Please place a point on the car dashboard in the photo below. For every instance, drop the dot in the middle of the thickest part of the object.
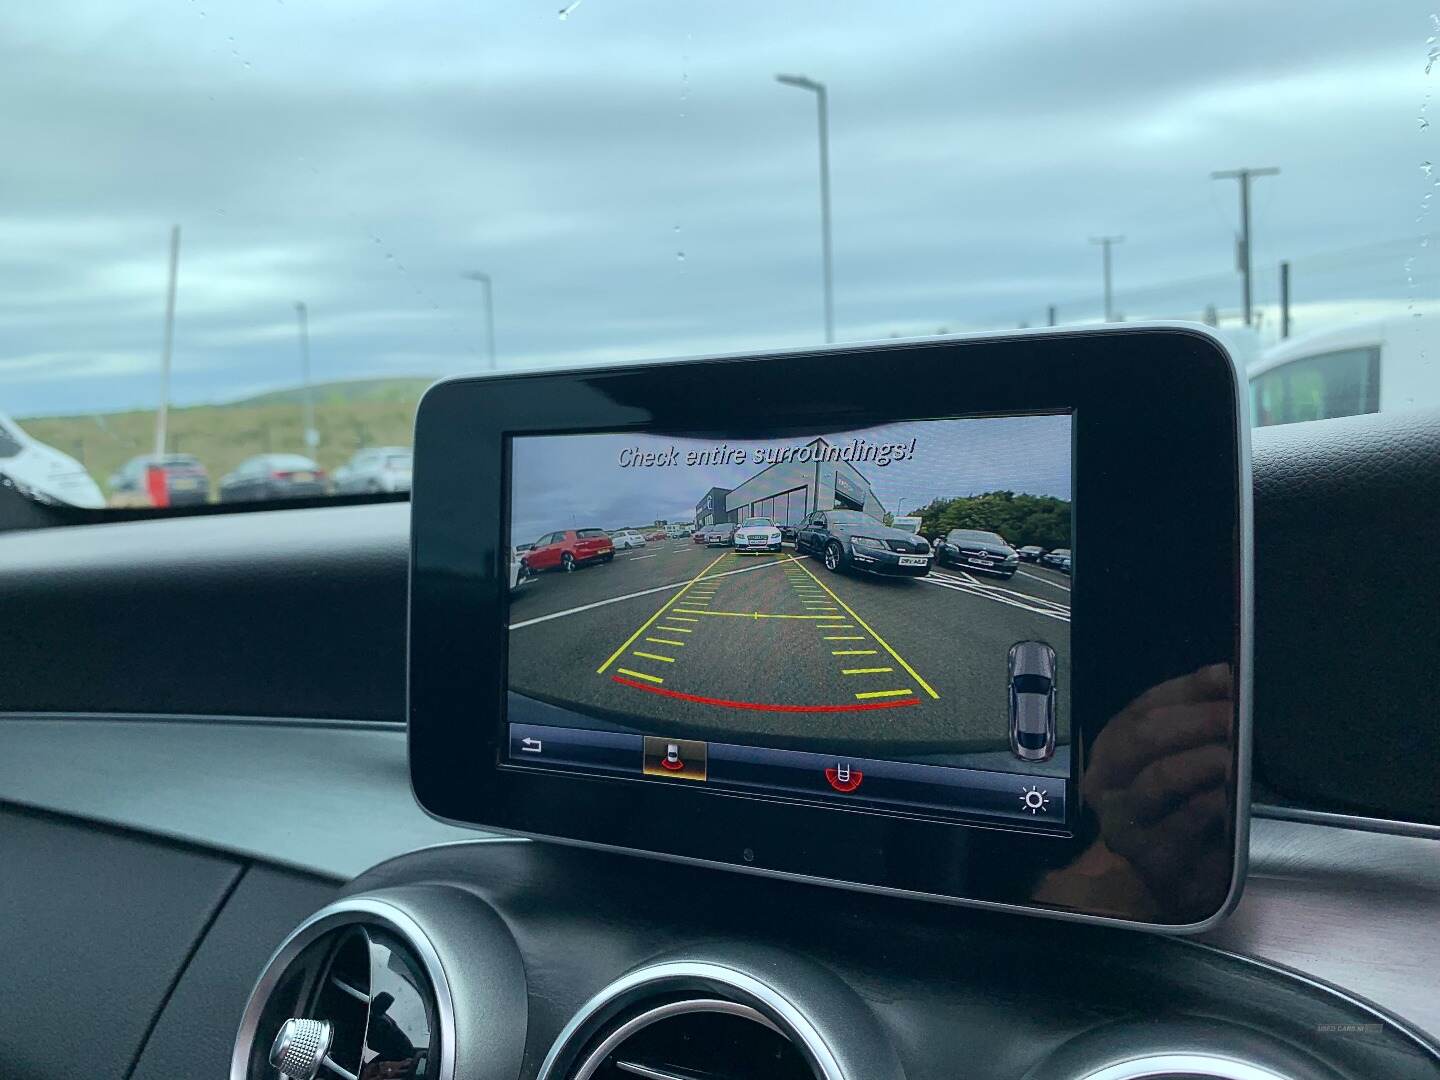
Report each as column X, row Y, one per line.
column 206, row 821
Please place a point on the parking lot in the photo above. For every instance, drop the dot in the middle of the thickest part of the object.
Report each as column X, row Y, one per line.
column 677, row 637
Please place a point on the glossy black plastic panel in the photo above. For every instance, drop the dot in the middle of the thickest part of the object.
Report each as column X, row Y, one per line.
column 1160, row 599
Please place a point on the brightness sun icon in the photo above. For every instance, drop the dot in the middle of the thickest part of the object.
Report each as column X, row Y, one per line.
column 1034, row 799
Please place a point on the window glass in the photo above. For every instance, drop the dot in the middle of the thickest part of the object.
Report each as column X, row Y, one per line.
column 9, row 445
column 1341, row 383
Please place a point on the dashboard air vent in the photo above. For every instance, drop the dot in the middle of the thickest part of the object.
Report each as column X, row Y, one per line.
column 349, row 996
column 693, row 1039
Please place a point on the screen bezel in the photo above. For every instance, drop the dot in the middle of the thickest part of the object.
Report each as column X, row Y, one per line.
column 1147, row 403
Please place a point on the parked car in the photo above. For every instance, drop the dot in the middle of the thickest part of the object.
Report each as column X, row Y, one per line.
column 698, row 536
column 976, row 549
column 849, row 539
column 273, row 476
column 722, row 535
column 1378, row 365
column 570, row 549
column 787, row 532
column 625, row 539
column 380, row 469
column 1032, row 700
column 678, row 532
column 1030, row 553
column 1059, row 559
column 757, row 534
column 186, row 481
column 520, row 572
column 655, row 534
column 43, row 472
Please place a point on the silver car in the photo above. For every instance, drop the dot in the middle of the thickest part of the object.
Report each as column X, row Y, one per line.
column 378, row 470
column 1032, row 700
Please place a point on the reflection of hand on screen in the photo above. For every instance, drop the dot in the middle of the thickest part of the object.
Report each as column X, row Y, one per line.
column 1157, row 781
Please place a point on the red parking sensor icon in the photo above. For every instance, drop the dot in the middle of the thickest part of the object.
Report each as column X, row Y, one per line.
column 843, row 778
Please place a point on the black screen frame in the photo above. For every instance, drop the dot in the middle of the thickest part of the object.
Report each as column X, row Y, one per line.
column 1153, row 408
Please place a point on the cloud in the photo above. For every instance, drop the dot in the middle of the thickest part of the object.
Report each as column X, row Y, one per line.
column 639, row 186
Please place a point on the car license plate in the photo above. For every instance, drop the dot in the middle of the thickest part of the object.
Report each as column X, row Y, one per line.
column 302, row 477
column 913, row 560
column 979, row 562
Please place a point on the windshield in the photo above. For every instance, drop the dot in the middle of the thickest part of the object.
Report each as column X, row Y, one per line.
column 975, row 536
column 849, row 517
column 757, row 523
column 232, row 228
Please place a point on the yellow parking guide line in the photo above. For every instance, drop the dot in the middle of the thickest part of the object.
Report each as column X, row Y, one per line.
column 746, row 615
column 675, row 629
column 884, row 693
column 665, row 641
column 678, row 618
column 639, row 675
column 646, row 625
column 879, row 640
column 854, row 652
column 844, row 637
column 834, row 626
column 856, row 670
column 653, row 656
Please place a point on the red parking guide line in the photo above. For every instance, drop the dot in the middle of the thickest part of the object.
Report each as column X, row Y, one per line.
column 862, row 707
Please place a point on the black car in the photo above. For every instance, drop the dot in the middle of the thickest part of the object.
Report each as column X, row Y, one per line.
column 185, row 480
column 1059, row 559
column 975, row 549
column 848, row 539
column 273, row 476
column 1030, row 553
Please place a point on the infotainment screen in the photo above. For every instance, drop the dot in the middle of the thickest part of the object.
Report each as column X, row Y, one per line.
column 965, row 620
column 877, row 616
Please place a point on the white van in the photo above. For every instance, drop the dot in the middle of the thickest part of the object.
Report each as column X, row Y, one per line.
column 1384, row 365
column 908, row 524
column 675, row 532
column 44, row 472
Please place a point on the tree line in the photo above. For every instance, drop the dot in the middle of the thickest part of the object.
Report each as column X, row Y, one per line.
column 1020, row 519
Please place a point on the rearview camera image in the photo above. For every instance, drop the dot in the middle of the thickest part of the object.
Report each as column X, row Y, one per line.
column 878, row 614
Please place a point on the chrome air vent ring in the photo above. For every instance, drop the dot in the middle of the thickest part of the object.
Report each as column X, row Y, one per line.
column 742, row 989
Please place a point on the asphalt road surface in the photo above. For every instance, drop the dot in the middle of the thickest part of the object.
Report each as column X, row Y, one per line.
column 676, row 638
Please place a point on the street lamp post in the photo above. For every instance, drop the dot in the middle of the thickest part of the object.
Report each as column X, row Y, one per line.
column 162, row 414
column 1106, row 243
column 1242, row 248
column 484, row 279
column 302, row 319
column 822, row 102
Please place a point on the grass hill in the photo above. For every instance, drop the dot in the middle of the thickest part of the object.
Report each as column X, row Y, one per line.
column 349, row 416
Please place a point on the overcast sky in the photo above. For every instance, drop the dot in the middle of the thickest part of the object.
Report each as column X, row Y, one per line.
column 639, row 186
column 583, row 475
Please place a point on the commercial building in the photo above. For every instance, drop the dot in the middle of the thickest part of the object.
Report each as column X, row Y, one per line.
column 812, row 477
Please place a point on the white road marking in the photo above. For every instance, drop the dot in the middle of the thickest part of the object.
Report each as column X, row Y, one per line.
column 637, row 558
column 1001, row 590
column 1047, row 581
column 955, row 585
column 633, row 595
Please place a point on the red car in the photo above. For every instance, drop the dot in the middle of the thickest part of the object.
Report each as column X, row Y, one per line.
column 570, row 549
column 658, row 534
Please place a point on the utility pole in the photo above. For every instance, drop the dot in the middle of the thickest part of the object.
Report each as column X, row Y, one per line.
column 822, row 104
column 1106, row 243
column 162, row 414
column 1050, row 315
column 1242, row 248
column 484, row 279
column 1285, row 299
column 302, row 318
